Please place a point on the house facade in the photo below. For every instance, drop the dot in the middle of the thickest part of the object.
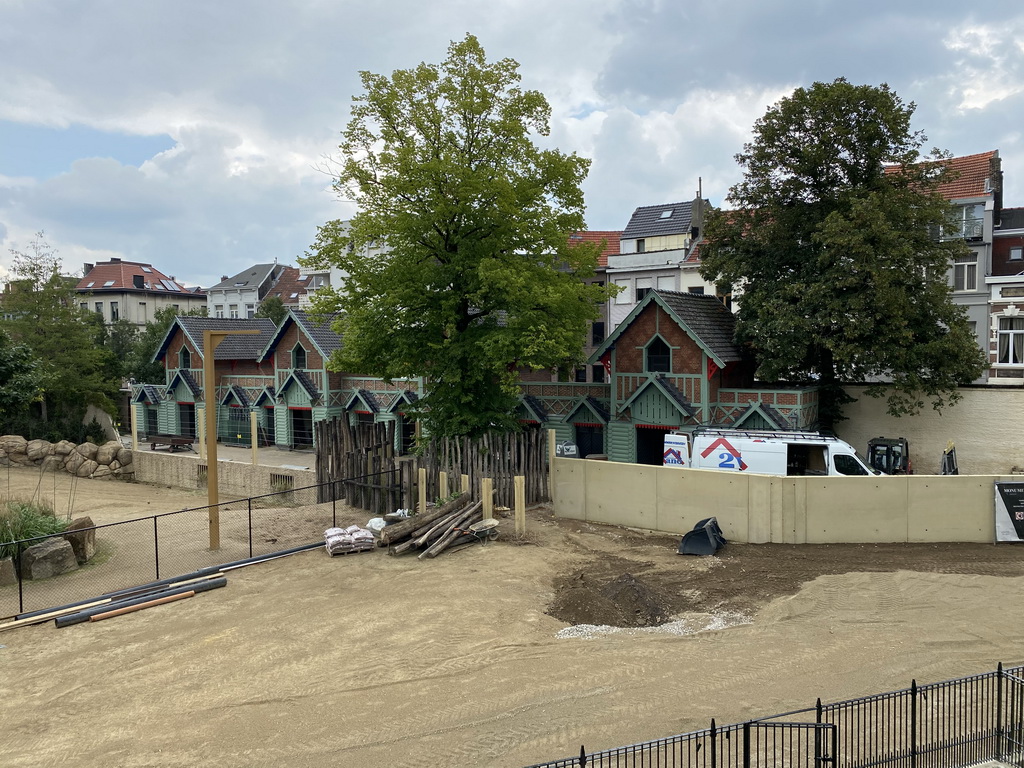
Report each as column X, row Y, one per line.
column 132, row 290
column 1005, row 285
column 238, row 297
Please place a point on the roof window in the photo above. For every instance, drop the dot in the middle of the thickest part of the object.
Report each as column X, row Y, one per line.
column 108, row 283
column 90, row 284
column 666, row 214
column 146, row 269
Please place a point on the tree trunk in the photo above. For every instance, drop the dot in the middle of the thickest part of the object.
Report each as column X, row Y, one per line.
column 397, row 531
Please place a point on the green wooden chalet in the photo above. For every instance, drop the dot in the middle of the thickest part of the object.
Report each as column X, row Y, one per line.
column 672, row 365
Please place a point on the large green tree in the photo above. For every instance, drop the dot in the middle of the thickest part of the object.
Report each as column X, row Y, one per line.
column 20, row 379
column 459, row 265
column 833, row 244
column 41, row 311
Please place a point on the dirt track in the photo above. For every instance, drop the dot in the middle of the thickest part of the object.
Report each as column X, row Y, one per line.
column 370, row 660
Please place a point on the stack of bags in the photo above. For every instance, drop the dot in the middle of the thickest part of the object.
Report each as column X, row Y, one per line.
column 341, row 541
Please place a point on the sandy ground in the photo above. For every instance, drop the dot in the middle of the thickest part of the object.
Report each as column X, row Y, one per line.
column 371, row 660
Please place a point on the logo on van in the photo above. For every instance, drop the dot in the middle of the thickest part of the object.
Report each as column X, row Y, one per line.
column 729, row 458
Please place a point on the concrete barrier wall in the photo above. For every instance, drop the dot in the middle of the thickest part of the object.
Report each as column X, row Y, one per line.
column 985, row 426
column 790, row 510
column 235, row 479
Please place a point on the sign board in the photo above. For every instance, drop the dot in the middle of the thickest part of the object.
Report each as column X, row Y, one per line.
column 567, row 450
column 1009, row 511
column 677, row 451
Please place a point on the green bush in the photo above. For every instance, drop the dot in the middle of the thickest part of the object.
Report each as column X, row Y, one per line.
column 21, row 519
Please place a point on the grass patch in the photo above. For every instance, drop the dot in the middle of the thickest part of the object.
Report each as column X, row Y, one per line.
column 20, row 519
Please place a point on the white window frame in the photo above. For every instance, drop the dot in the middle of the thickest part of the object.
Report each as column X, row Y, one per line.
column 1010, row 341
column 1016, row 252
column 233, row 311
column 625, row 295
column 965, row 273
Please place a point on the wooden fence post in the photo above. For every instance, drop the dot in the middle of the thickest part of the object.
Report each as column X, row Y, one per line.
column 551, row 465
column 442, row 482
column 423, row 490
column 465, row 483
column 487, row 496
column 520, row 485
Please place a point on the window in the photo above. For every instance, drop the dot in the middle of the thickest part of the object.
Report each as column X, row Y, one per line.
column 99, row 308
column 643, row 287
column 142, row 312
column 1016, row 253
column 1011, row 341
column 250, row 311
column 84, row 306
column 218, row 310
column 597, row 372
column 696, row 289
column 115, row 312
column 622, row 297
column 581, row 375
column 968, row 221
column 185, row 358
column 965, row 272
column 658, row 356
column 641, row 245
column 233, row 311
column 597, row 333
column 666, row 214
column 298, row 357
column 848, row 465
column 666, row 283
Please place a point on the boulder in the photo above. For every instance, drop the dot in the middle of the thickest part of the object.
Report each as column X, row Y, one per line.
column 126, row 472
column 63, row 448
column 125, row 456
column 107, row 452
column 52, row 463
column 48, row 558
column 13, row 443
column 73, row 462
column 87, row 468
column 102, row 472
column 82, row 542
column 38, row 449
column 115, row 465
column 88, row 450
column 7, row 575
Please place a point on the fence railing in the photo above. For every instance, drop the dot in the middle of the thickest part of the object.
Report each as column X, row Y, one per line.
column 951, row 724
column 155, row 547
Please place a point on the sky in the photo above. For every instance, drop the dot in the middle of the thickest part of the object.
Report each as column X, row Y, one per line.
column 197, row 136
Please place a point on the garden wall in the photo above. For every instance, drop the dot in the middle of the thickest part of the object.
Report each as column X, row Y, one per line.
column 234, row 478
column 101, row 462
column 786, row 510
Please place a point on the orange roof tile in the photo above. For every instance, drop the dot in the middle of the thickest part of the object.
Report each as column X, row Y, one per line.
column 974, row 171
column 610, row 238
column 289, row 287
column 117, row 275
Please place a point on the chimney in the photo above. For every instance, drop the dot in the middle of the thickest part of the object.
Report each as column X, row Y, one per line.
column 115, row 260
column 87, row 269
column 223, row 278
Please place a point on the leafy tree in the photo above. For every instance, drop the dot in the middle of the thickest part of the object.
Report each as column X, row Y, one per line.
column 140, row 365
column 20, row 378
column 833, row 244
column 477, row 277
column 41, row 311
column 272, row 308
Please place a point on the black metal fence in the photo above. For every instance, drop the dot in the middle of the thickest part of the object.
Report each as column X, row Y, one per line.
column 955, row 723
column 160, row 546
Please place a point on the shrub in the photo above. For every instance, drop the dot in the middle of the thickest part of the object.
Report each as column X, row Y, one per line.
column 21, row 519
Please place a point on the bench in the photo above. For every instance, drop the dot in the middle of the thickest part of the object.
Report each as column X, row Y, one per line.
column 173, row 442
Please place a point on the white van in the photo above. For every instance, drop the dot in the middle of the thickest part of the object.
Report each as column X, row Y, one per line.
column 764, row 452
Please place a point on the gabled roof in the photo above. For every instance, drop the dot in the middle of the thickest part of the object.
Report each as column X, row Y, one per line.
column 406, row 397
column 148, row 393
column 661, row 383
column 593, row 406
column 535, row 408
column 301, row 378
column 769, row 413
column 268, row 393
column 234, row 347
column 120, row 276
column 185, row 376
column 324, row 339
column 365, row 398
column 289, row 287
column 239, row 394
column 247, row 279
column 609, row 238
column 657, row 220
column 977, row 176
column 706, row 319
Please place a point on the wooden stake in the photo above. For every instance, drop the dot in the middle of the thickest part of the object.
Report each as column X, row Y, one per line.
column 465, row 483
column 442, row 481
column 487, row 496
column 520, row 485
column 551, row 465
column 52, row 615
column 252, row 436
column 423, row 489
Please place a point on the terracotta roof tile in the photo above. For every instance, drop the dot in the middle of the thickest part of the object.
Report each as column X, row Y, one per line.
column 288, row 287
column 977, row 176
column 121, row 276
column 610, row 238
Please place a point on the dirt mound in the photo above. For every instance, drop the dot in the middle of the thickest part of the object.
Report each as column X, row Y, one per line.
column 626, row 601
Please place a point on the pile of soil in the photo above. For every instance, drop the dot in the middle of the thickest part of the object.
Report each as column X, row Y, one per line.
column 625, row 601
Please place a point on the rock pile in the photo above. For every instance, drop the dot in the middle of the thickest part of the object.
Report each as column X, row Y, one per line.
column 108, row 461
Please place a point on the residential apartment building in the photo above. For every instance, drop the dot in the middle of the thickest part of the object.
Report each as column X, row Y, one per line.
column 239, row 297
column 1005, row 286
column 133, row 290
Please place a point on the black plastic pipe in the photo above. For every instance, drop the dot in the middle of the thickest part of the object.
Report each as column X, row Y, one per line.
column 81, row 616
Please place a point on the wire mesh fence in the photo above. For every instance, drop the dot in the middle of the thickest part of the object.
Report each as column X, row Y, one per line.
column 133, row 552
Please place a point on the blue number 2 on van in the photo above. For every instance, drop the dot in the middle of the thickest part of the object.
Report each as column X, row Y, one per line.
column 730, row 458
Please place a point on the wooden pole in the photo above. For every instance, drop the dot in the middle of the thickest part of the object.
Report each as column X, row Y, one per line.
column 520, row 486
column 551, row 465
column 423, row 489
column 442, row 481
column 142, row 606
column 212, row 340
column 135, row 427
column 487, row 496
column 252, row 433
column 465, row 484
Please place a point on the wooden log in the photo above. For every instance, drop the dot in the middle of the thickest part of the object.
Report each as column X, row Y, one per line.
column 438, row 528
column 394, row 533
column 40, row 618
column 439, row 546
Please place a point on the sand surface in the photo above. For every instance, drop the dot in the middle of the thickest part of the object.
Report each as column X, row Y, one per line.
column 369, row 660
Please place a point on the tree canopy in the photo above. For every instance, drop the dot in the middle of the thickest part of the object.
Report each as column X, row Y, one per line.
column 20, row 380
column 458, row 263
column 832, row 246
column 272, row 308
